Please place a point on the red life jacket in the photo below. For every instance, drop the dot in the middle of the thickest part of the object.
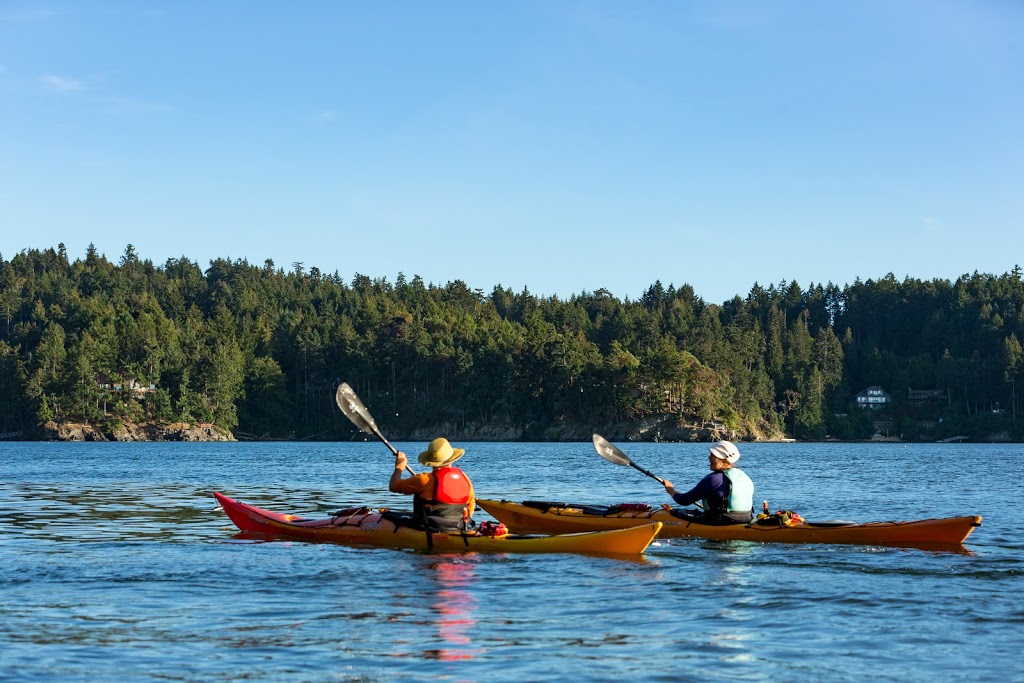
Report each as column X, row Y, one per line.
column 453, row 486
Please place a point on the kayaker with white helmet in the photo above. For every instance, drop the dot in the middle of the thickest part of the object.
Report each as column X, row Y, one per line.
column 727, row 494
column 443, row 498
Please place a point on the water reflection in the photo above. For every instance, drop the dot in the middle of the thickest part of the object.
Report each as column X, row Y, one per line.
column 453, row 608
column 72, row 512
column 169, row 595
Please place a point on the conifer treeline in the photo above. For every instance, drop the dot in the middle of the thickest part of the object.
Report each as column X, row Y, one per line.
column 261, row 350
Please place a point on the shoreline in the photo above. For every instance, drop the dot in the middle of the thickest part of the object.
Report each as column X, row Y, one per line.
column 202, row 435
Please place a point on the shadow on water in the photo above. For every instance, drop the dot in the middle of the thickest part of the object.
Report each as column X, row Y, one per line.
column 748, row 546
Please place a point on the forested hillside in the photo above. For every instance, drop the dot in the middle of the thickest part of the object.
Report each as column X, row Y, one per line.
column 259, row 350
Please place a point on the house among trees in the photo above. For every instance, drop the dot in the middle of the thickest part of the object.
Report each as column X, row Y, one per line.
column 132, row 385
column 873, row 397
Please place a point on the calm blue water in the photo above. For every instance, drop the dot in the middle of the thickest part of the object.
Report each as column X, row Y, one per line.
column 115, row 566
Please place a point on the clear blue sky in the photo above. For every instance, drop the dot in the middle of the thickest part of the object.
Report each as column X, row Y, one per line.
column 559, row 146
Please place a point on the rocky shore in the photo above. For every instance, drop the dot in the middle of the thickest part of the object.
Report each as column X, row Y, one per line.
column 669, row 428
column 654, row 428
column 175, row 431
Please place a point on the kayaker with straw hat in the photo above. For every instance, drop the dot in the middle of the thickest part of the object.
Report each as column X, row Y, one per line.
column 443, row 498
column 727, row 494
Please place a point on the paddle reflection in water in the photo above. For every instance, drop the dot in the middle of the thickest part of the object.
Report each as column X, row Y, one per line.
column 453, row 607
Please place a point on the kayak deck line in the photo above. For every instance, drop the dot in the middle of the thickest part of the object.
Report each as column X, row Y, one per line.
column 367, row 528
column 541, row 517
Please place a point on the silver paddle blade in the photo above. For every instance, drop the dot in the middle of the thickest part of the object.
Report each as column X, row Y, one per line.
column 609, row 452
column 349, row 403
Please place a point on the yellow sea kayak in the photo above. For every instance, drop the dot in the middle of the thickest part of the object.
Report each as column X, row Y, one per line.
column 364, row 527
column 559, row 518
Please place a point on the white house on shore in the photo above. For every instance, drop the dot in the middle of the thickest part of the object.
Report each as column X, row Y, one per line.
column 873, row 397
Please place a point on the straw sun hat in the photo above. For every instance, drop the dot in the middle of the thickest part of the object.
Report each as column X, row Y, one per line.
column 440, row 453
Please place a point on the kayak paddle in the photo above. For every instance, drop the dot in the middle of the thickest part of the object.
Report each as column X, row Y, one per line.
column 609, row 452
column 357, row 413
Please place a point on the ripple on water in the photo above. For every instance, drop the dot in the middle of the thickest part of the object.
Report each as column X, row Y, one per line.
column 129, row 573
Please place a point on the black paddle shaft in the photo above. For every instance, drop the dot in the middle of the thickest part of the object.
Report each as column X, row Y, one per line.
column 652, row 476
column 610, row 452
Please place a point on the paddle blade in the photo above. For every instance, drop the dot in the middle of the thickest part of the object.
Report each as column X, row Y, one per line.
column 609, row 452
column 354, row 409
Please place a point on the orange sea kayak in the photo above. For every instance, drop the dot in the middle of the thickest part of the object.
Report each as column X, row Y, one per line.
column 364, row 527
column 560, row 518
